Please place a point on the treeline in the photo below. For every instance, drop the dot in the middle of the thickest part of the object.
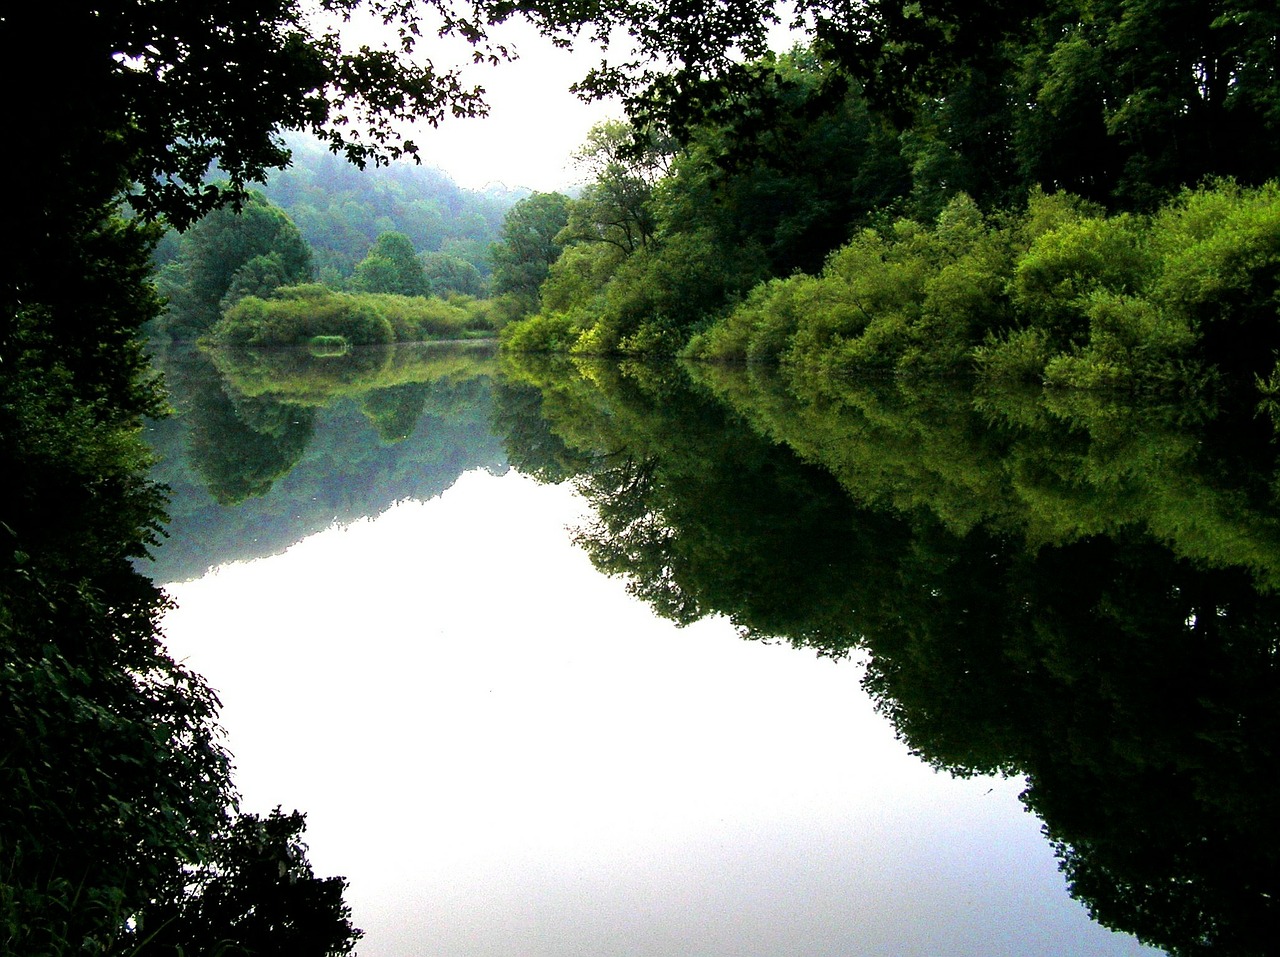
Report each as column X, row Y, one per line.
column 341, row 211
column 250, row 276
column 1017, row 207
column 1060, row 294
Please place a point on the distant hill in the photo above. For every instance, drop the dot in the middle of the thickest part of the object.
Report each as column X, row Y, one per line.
column 341, row 210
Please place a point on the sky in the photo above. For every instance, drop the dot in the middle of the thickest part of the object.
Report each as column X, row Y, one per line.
column 534, row 125
column 505, row 754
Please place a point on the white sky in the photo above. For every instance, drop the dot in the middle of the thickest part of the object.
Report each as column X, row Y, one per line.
column 534, row 124
column 507, row 756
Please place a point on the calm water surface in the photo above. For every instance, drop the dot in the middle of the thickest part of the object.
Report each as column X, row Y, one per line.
column 394, row 574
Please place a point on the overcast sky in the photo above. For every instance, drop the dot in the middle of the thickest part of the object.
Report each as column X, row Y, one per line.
column 534, row 125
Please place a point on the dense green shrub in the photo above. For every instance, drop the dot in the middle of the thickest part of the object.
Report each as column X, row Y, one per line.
column 545, row 332
column 296, row 315
column 300, row 314
column 906, row 299
column 1054, row 278
column 1132, row 343
column 660, row 292
column 577, row 279
column 1017, row 356
column 1059, row 294
column 1220, row 271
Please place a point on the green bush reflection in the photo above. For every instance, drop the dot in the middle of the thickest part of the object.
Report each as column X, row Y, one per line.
column 1074, row 589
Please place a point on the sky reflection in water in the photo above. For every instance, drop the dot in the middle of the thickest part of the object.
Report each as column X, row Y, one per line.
column 506, row 754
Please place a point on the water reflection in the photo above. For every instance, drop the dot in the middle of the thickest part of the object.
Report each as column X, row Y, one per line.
column 505, row 753
column 1072, row 590
column 297, row 443
column 1078, row 591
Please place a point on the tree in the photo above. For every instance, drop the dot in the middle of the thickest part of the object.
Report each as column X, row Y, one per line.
column 1125, row 101
column 391, row 266
column 111, row 761
column 451, row 274
column 1190, row 90
column 230, row 254
column 530, row 242
column 802, row 189
column 621, row 166
column 256, row 896
column 260, row 276
column 162, row 90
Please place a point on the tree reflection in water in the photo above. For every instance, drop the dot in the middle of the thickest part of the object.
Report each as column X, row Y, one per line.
column 1079, row 591
column 1068, row 588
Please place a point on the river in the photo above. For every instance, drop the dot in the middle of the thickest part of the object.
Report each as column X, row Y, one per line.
column 599, row 661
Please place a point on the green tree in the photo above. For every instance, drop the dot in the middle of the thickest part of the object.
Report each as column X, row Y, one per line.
column 341, row 211
column 260, row 276
column 392, row 265
column 159, row 92
column 798, row 191
column 447, row 274
column 230, row 254
column 659, row 250
column 620, row 167
column 111, row 762
column 529, row 243
column 1126, row 102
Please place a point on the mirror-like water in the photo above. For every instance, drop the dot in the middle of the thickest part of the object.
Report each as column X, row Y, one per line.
column 505, row 750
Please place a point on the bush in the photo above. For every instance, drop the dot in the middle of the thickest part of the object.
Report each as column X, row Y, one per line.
column 296, row 315
column 1221, row 271
column 329, row 346
column 1132, row 344
column 1019, row 355
column 545, row 332
column 299, row 316
column 1053, row 279
column 577, row 279
column 759, row 328
column 658, row 336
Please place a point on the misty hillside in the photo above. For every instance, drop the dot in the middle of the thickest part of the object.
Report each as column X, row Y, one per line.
column 341, row 210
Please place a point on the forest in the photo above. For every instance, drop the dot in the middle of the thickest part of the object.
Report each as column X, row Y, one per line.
column 1069, row 192
column 392, row 254
column 1084, row 198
